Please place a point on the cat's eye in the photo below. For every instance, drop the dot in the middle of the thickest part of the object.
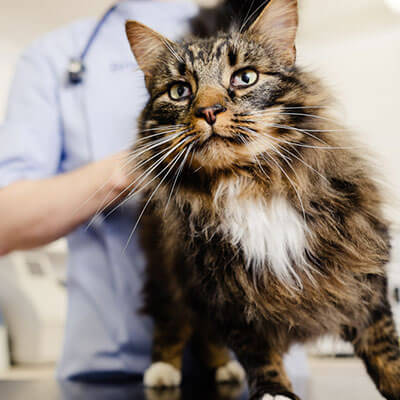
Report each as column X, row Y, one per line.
column 244, row 78
column 180, row 91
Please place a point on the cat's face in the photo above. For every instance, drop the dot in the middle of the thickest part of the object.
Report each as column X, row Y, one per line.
column 218, row 99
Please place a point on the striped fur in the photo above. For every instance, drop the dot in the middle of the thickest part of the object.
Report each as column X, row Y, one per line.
column 275, row 186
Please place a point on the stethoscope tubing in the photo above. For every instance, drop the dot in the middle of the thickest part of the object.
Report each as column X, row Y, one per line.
column 76, row 68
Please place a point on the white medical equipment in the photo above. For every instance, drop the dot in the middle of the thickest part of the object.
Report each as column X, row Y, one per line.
column 4, row 349
column 33, row 301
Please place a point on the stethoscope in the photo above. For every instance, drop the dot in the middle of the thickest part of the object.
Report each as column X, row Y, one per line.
column 76, row 68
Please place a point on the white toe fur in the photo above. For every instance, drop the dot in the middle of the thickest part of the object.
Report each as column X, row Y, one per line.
column 230, row 372
column 161, row 374
column 270, row 397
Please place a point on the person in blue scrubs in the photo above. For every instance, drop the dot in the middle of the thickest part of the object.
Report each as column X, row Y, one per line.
column 62, row 155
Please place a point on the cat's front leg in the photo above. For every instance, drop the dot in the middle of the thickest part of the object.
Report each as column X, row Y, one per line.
column 213, row 353
column 168, row 345
column 164, row 302
column 269, row 383
column 264, row 367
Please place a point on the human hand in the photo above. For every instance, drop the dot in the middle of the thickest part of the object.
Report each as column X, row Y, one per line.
column 119, row 177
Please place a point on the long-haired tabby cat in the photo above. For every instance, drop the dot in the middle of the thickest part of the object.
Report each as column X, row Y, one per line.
column 262, row 223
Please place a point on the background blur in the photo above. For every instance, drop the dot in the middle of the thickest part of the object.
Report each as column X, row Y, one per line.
column 354, row 44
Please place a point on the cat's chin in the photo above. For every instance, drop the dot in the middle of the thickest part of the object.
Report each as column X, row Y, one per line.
column 215, row 152
column 215, row 156
column 215, row 136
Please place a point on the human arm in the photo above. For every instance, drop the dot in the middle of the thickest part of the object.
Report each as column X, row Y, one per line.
column 37, row 204
column 36, row 212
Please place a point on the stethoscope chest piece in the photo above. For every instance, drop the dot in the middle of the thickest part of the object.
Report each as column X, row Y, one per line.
column 76, row 70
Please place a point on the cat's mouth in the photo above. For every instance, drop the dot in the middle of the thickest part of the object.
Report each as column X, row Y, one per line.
column 216, row 137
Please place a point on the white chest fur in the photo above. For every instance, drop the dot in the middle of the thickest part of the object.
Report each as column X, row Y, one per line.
column 270, row 233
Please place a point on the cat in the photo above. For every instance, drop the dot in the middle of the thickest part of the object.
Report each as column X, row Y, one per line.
column 262, row 221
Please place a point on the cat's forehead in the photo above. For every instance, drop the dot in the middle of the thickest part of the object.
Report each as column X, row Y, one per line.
column 206, row 58
column 211, row 61
column 210, row 57
column 206, row 51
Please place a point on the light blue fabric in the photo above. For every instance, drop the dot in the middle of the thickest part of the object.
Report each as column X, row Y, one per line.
column 53, row 127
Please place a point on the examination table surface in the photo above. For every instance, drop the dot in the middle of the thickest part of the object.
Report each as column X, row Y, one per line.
column 52, row 390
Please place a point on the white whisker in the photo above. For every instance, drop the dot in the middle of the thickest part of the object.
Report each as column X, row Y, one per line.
column 302, row 161
column 147, row 137
column 311, row 116
column 139, row 180
column 305, row 132
column 177, row 175
column 172, row 51
column 306, row 107
column 291, row 112
column 292, row 183
column 106, row 203
column 307, row 146
column 262, row 5
column 175, row 160
column 153, row 144
column 160, row 128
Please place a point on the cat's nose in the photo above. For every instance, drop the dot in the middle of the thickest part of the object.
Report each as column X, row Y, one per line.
column 210, row 113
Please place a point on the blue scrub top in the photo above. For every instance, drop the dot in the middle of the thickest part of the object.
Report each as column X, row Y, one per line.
column 52, row 127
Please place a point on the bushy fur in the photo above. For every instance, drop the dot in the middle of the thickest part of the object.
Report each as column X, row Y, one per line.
column 276, row 149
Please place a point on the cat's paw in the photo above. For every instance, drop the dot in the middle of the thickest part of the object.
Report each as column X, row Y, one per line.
column 162, row 375
column 231, row 390
column 230, row 372
column 278, row 397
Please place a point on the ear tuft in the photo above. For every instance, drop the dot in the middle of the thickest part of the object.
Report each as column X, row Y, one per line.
column 147, row 45
column 277, row 25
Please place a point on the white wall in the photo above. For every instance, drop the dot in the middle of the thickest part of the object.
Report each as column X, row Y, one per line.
column 354, row 44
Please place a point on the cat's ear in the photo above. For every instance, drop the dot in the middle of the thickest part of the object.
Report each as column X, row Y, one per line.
column 277, row 24
column 146, row 44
